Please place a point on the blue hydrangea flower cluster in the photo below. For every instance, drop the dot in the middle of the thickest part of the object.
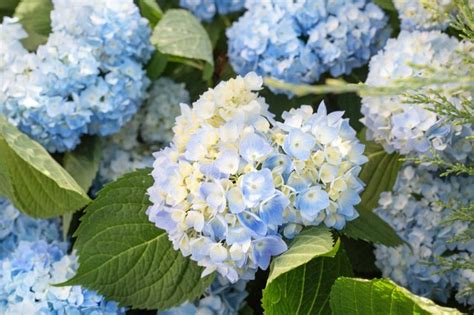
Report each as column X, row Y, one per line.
column 415, row 210
column 221, row 298
column 424, row 15
column 297, row 41
column 149, row 130
column 205, row 10
column 26, row 277
column 233, row 179
column 410, row 128
column 88, row 77
column 16, row 226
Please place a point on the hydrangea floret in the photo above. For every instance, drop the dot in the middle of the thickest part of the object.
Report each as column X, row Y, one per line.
column 233, row 180
column 88, row 78
column 297, row 41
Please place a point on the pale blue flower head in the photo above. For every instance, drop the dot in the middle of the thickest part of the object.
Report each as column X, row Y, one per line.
column 88, row 78
column 297, row 41
column 416, row 209
column 25, row 283
column 411, row 128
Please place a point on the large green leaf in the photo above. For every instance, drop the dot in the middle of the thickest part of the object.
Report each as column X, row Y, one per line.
column 83, row 162
column 379, row 175
column 180, row 34
column 379, row 296
column 35, row 17
column 125, row 257
column 305, row 290
column 312, row 242
column 32, row 179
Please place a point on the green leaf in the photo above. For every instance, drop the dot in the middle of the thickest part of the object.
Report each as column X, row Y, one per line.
column 32, row 179
column 125, row 257
column 83, row 162
column 305, row 290
column 34, row 15
column 151, row 11
column 385, row 4
column 156, row 65
column 180, row 34
column 7, row 7
column 379, row 296
column 312, row 242
column 379, row 175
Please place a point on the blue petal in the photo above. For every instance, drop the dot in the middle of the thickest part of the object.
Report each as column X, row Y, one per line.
column 312, row 201
column 280, row 163
column 252, row 222
column 264, row 248
column 271, row 211
column 254, row 147
column 299, row 144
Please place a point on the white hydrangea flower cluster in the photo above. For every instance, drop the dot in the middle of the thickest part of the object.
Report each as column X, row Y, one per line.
column 424, row 15
column 415, row 210
column 233, row 178
column 86, row 79
column 411, row 128
column 149, row 130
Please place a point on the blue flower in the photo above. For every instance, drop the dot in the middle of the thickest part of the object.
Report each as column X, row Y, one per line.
column 253, row 147
column 257, row 186
column 299, row 144
column 271, row 211
column 264, row 248
column 312, row 201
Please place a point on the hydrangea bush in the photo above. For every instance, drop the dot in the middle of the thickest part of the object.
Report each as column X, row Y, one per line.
column 150, row 164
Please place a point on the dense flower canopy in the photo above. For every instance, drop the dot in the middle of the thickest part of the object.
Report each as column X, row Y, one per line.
column 416, row 208
column 86, row 79
column 410, row 128
column 233, row 179
column 297, row 41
